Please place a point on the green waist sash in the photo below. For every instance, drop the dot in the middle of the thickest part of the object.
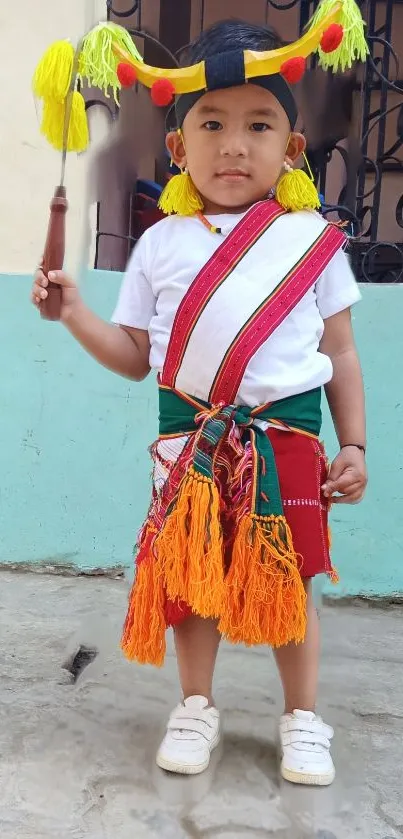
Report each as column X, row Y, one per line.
column 180, row 414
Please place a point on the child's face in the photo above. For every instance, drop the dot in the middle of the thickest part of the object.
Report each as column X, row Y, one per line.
column 234, row 145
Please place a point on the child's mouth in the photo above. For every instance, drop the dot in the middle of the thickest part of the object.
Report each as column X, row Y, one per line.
column 232, row 175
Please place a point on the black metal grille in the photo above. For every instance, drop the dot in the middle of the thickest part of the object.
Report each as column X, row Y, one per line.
column 113, row 247
column 377, row 260
column 113, row 12
column 371, row 197
column 370, row 191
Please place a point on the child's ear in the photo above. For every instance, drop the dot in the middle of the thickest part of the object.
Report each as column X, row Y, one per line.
column 296, row 147
column 176, row 148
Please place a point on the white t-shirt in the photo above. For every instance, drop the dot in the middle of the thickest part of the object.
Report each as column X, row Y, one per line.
column 163, row 265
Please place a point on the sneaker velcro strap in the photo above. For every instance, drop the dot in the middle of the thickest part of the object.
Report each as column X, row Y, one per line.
column 315, row 727
column 294, row 737
column 193, row 724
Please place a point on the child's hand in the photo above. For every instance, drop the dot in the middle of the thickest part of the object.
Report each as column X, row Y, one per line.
column 347, row 477
column 70, row 294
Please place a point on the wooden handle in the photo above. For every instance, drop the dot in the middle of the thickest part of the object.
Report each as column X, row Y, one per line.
column 53, row 257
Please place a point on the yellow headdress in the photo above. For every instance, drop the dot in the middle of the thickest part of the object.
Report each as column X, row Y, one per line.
column 109, row 59
column 336, row 33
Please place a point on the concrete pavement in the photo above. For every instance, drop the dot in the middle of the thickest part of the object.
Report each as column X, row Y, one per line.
column 77, row 757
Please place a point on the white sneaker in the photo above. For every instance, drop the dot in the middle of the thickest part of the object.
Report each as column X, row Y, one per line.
column 192, row 734
column 305, row 742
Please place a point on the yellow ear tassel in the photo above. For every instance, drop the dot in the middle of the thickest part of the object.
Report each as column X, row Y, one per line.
column 180, row 196
column 53, row 124
column 52, row 76
column 295, row 190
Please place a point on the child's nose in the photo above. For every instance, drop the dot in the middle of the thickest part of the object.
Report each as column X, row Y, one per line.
column 234, row 144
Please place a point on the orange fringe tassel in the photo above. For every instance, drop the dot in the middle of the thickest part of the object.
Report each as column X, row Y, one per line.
column 144, row 631
column 262, row 599
column 333, row 574
column 265, row 598
column 189, row 549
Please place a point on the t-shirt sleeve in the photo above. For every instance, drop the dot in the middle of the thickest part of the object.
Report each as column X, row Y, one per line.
column 136, row 302
column 337, row 288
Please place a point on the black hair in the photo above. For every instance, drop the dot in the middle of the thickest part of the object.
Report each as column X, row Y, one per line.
column 230, row 37
column 226, row 36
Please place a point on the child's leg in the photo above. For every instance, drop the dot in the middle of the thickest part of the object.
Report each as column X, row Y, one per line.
column 196, row 641
column 298, row 664
column 194, row 726
column 305, row 738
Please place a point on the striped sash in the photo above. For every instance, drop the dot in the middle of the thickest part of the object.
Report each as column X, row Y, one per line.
column 215, row 339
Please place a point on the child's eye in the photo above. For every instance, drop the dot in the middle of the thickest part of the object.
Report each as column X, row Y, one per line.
column 212, row 125
column 260, row 126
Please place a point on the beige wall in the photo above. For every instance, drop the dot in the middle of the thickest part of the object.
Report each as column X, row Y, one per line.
column 29, row 168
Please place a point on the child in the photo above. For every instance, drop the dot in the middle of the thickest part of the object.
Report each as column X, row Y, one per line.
column 243, row 309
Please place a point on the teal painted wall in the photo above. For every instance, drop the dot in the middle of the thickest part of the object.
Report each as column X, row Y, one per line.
column 74, row 463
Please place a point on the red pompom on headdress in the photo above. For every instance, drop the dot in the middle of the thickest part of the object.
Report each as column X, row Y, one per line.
column 293, row 69
column 162, row 92
column 332, row 37
column 126, row 74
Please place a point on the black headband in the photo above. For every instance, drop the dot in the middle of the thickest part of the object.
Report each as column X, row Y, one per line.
column 228, row 70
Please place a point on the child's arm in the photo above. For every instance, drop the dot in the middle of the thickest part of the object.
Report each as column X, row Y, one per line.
column 345, row 395
column 123, row 350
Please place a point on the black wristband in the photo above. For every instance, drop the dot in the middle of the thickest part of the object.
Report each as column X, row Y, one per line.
column 354, row 446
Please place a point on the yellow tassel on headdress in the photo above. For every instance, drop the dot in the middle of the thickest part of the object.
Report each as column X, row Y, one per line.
column 52, row 76
column 53, row 124
column 353, row 46
column 180, row 196
column 295, row 190
column 98, row 62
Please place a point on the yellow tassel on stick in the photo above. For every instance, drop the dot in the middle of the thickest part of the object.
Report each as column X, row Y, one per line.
column 181, row 196
column 78, row 132
column 98, row 62
column 296, row 191
column 53, row 124
column 353, row 46
column 265, row 600
column 52, row 76
column 189, row 549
